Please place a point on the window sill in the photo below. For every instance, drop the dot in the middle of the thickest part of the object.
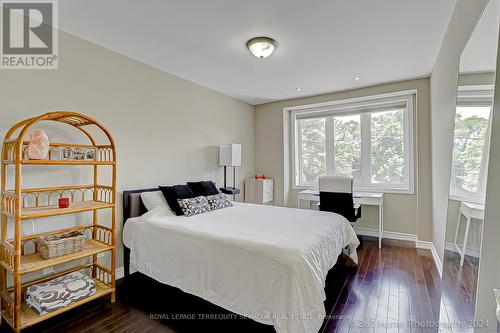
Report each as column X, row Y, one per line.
column 465, row 198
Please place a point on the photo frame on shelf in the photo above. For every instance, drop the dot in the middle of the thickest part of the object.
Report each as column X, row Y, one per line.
column 90, row 154
column 79, row 154
column 67, row 154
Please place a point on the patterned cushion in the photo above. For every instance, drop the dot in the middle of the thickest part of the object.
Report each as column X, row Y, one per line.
column 194, row 206
column 218, row 201
column 50, row 296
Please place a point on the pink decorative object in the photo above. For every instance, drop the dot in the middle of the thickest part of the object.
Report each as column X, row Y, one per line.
column 38, row 147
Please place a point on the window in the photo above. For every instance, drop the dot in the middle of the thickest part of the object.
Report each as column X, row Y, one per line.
column 369, row 139
column 313, row 149
column 470, row 152
column 471, row 143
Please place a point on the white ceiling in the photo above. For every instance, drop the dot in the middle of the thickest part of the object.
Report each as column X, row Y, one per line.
column 323, row 44
column 480, row 53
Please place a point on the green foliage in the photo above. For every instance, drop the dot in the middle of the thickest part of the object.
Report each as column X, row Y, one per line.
column 388, row 156
column 313, row 132
column 347, row 147
column 469, row 144
column 387, row 147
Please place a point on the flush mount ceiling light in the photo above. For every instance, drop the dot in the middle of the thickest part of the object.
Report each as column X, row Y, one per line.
column 262, row 47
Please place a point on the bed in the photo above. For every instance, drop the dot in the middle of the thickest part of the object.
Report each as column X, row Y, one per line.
column 264, row 262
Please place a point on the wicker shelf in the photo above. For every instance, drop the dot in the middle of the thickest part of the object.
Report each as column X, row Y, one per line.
column 34, row 262
column 20, row 204
column 30, row 317
column 48, row 211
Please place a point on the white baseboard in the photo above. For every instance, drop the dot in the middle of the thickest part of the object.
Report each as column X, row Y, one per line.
column 469, row 251
column 430, row 246
column 119, row 273
column 386, row 234
column 404, row 237
column 366, row 232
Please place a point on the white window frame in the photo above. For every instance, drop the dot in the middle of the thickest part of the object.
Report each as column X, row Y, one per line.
column 358, row 106
column 479, row 95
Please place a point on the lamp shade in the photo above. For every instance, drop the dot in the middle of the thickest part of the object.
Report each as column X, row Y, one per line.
column 230, row 154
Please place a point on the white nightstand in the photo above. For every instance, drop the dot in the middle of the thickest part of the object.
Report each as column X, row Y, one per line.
column 259, row 191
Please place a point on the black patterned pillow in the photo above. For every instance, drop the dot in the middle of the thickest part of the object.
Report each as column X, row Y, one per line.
column 194, row 206
column 218, row 201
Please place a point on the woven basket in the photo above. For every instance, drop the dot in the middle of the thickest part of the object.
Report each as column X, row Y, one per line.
column 60, row 244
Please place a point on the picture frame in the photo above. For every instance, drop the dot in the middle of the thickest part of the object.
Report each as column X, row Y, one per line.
column 90, row 154
column 79, row 154
column 67, row 153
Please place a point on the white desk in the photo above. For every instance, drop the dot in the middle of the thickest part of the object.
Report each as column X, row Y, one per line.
column 363, row 198
column 469, row 211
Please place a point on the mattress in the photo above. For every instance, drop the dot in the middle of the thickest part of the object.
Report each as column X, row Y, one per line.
column 264, row 262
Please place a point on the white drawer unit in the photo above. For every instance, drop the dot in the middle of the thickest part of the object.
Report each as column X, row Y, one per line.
column 259, row 191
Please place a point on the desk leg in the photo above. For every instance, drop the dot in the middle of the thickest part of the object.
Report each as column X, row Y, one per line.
column 464, row 245
column 380, row 225
column 456, row 229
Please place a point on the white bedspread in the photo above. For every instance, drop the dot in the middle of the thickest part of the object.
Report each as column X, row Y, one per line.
column 267, row 263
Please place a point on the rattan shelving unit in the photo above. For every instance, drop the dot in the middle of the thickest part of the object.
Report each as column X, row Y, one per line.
column 20, row 204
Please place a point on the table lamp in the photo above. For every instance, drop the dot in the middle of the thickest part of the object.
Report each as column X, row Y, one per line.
column 230, row 155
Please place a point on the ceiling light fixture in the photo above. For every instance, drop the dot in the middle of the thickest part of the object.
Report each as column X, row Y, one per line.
column 262, row 47
column 298, row 89
column 357, row 78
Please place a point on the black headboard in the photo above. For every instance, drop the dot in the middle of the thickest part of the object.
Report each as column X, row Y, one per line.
column 132, row 207
column 132, row 203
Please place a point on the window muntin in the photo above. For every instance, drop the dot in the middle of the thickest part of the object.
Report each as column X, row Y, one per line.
column 358, row 142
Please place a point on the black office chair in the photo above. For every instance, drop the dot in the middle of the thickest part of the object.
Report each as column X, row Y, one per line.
column 335, row 195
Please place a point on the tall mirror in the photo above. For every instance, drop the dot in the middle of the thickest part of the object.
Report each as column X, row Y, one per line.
column 468, row 173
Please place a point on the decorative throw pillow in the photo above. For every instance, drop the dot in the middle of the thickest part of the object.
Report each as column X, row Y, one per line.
column 152, row 200
column 203, row 188
column 194, row 206
column 218, row 201
column 172, row 193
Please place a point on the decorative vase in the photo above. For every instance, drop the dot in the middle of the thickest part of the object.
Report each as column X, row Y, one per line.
column 38, row 148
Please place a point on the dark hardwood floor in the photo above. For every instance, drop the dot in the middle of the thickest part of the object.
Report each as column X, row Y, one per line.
column 397, row 284
column 458, row 292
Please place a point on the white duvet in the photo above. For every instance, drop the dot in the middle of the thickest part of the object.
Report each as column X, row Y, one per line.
column 264, row 262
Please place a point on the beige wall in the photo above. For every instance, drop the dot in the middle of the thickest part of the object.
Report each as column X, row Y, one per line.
column 443, row 105
column 474, row 79
column 167, row 130
column 403, row 212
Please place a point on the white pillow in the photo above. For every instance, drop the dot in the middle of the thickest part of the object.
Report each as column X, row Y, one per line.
column 152, row 200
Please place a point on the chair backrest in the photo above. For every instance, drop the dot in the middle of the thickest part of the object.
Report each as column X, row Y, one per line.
column 335, row 195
